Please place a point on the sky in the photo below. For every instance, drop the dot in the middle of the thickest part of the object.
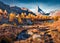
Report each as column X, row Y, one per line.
column 45, row 5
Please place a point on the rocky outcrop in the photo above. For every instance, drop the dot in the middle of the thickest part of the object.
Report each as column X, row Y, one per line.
column 29, row 35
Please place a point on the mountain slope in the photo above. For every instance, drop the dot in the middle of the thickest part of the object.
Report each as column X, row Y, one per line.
column 14, row 9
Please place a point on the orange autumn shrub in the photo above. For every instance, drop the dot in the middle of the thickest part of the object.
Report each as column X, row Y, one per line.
column 56, row 25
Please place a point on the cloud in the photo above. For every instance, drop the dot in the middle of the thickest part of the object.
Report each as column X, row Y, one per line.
column 33, row 10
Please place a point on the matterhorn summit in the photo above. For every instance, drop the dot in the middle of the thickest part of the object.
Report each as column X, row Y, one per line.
column 39, row 11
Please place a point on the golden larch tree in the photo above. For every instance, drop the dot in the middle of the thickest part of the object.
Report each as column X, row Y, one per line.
column 1, row 11
column 12, row 16
column 19, row 18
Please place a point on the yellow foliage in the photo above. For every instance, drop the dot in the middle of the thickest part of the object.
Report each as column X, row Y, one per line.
column 29, row 15
column 41, row 17
column 32, row 16
column 5, row 12
column 55, row 18
column 12, row 16
column 1, row 11
column 19, row 19
column 23, row 15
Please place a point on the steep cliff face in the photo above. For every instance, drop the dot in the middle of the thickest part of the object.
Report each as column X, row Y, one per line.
column 39, row 11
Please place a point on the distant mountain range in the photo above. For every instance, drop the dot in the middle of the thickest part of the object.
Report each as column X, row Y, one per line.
column 14, row 9
column 55, row 13
column 19, row 10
